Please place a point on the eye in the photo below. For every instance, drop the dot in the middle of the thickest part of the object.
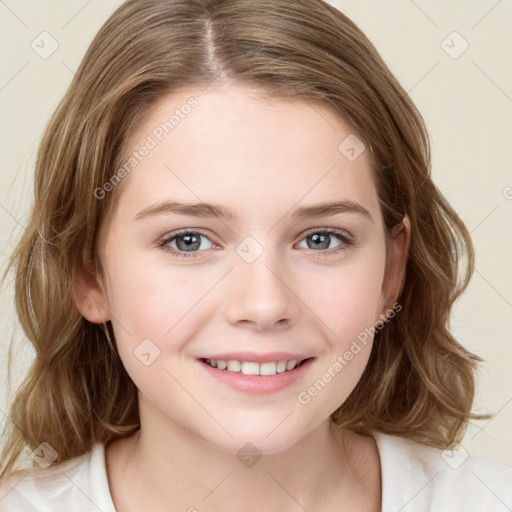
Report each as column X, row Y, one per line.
column 182, row 242
column 187, row 243
column 320, row 239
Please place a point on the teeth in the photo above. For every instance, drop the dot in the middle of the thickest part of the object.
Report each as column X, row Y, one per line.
column 249, row 368
column 281, row 366
column 253, row 368
column 268, row 368
column 234, row 366
column 290, row 365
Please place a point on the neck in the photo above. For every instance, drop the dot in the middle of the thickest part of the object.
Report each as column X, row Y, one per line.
column 173, row 467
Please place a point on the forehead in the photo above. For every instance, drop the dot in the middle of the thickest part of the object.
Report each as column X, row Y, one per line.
column 237, row 147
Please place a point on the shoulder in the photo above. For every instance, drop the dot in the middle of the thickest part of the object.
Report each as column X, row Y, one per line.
column 419, row 478
column 78, row 484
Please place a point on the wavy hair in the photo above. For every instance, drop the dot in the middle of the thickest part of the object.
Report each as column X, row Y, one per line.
column 419, row 381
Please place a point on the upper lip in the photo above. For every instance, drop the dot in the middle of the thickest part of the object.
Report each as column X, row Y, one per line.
column 257, row 358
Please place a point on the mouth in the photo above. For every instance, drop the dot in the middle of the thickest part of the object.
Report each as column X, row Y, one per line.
column 269, row 368
column 256, row 373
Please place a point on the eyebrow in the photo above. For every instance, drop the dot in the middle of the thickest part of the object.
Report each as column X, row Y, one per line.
column 208, row 210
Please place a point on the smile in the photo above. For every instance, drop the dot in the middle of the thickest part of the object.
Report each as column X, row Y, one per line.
column 254, row 368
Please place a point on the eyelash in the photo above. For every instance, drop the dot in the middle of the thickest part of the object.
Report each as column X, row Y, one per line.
column 344, row 237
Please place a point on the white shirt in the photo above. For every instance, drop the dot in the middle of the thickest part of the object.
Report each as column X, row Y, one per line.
column 415, row 478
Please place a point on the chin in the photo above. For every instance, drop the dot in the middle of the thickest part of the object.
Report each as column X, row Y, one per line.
column 274, row 435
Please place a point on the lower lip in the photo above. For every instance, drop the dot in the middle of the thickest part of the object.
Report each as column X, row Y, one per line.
column 258, row 384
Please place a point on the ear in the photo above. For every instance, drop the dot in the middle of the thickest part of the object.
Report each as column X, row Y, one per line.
column 90, row 297
column 396, row 261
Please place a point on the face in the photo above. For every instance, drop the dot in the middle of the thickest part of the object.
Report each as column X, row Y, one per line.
column 257, row 276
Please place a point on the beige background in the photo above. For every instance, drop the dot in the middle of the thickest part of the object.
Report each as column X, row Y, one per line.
column 466, row 102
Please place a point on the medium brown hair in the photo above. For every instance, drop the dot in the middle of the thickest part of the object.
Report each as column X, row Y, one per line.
column 419, row 381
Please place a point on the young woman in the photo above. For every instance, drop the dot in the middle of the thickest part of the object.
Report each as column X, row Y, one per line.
column 237, row 278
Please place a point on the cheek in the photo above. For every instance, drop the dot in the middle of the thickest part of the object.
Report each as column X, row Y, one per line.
column 148, row 308
column 347, row 301
column 148, row 300
column 156, row 309
column 347, row 298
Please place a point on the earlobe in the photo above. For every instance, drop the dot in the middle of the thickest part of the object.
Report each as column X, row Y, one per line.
column 90, row 298
column 396, row 262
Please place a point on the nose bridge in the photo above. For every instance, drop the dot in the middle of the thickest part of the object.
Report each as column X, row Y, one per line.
column 260, row 289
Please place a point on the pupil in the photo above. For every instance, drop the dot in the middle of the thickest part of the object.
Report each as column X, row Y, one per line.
column 321, row 239
column 188, row 242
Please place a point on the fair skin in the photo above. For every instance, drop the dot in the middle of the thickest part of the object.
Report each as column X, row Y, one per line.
column 263, row 159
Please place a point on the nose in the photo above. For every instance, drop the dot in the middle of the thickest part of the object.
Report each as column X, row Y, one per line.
column 261, row 294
